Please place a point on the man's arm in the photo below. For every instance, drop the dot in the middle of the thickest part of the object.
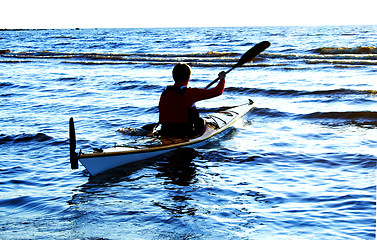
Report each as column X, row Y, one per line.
column 198, row 94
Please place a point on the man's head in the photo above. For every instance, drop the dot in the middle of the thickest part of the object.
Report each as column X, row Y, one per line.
column 181, row 72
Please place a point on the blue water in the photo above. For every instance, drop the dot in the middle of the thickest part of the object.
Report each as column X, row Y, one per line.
column 302, row 165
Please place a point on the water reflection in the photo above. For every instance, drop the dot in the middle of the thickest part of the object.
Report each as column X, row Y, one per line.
column 179, row 172
column 177, row 167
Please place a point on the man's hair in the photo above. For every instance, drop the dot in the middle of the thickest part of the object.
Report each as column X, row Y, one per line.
column 181, row 72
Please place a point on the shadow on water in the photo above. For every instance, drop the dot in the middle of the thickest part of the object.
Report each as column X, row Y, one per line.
column 179, row 172
column 177, row 167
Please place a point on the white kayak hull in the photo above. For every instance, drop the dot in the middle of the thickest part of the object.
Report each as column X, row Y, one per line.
column 99, row 162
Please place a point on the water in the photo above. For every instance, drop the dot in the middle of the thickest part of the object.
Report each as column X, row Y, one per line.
column 301, row 166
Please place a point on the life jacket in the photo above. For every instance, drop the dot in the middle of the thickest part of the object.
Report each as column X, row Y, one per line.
column 173, row 107
column 177, row 116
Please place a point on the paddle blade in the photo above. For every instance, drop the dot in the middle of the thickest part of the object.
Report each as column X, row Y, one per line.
column 72, row 145
column 253, row 52
column 247, row 57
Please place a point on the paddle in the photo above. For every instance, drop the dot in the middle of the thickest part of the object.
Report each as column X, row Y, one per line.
column 247, row 57
column 72, row 145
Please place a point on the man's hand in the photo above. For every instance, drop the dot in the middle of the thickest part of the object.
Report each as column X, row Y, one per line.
column 222, row 75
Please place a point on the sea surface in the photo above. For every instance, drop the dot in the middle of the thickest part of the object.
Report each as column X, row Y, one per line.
column 302, row 165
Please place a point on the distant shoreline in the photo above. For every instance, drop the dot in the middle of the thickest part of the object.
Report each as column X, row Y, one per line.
column 34, row 29
column 44, row 29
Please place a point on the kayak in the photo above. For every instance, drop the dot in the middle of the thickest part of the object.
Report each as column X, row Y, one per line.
column 100, row 161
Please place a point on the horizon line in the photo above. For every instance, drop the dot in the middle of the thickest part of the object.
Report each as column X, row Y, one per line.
column 80, row 28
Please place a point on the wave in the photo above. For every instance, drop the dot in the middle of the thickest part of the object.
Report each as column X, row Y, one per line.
column 28, row 204
column 353, row 115
column 364, row 119
column 265, row 92
column 297, row 93
column 292, row 56
column 15, row 61
column 115, row 56
column 272, row 113
column 220, row 56
column 342, row 62
column 338, row 57
column 344, row 50
column 144, row 87
column 195, row 59
column 23, row 138
column 193, row 64
column 5, row 84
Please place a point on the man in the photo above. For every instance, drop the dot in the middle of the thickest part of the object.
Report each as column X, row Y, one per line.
column 178, row 114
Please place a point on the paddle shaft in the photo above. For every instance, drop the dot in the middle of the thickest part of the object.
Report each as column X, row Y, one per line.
column 217, row 79
column 72, row 145
column 246, row 57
